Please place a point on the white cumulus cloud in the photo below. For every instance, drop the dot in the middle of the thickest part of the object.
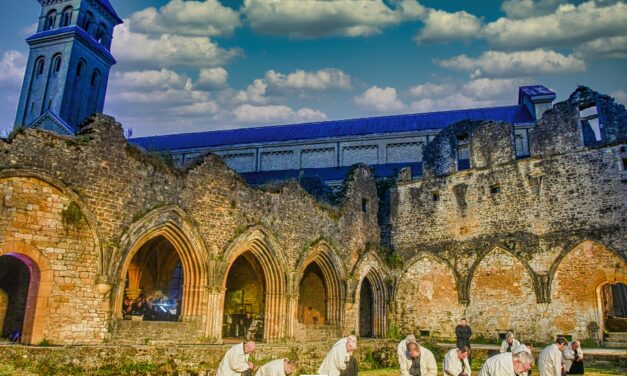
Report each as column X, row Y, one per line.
column 168, row 50
column 315, row 18
column 381, row 100
column 569, row 25
column 212, row 78
column 443, row 27
column 530, row 8
column 12, row 67
column 196, row 18
column 476, row 93
column 603, row 48
column 321, row 80
column 515, row 64
column 247, row 113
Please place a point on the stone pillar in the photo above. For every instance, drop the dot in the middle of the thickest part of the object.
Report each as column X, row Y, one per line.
column 215, row 313
column 292, row 315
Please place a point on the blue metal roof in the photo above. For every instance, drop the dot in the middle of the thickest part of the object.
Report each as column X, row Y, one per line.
column 539, row 92
column 327, row 174
column 332, row 129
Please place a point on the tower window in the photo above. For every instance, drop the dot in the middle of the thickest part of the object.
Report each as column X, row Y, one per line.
column 57, row 64
column 39, row 66
column 79, row 69
column 87, row 21
column 66, row 19
column 102, row 28
column 95, row 77
column 51, row 20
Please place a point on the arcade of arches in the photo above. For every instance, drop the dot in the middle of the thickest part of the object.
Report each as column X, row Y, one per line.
column 274, row 265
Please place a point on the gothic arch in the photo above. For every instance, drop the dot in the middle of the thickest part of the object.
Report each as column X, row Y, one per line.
column 171, row 223
column 370, row 269
column 39, row 291
column 471, row 272
column 266, row 250
column 322, row 254
column 459, row 281
column 593, row 266
column 500, row 287
column 427, row 297
column 65, row 190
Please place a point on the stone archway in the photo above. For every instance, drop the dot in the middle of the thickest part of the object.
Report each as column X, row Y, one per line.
column 501, row 289
column 577, row 281
column 320, row 286
column 426, row 298
column 257, row 245
column 40, row 278
column 169, row 227
column 371, row 284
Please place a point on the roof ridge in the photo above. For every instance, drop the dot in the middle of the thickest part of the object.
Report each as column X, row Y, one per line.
column 270, row 127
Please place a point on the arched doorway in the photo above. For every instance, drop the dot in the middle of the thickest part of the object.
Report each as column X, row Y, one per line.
column 244, row 300
column 312, row 293
column 614, row 304
column 154, row 282
column 366, row 320
column 15, row 283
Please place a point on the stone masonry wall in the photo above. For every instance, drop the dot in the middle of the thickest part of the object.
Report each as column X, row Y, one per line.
column 510, row 231
column 118, row 189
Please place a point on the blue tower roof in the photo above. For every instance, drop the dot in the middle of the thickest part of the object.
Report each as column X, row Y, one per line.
column 332, row 129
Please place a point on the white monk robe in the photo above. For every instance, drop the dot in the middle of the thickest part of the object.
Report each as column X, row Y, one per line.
column 336, row 359
column 569, row 355
column 498, row 365
column 453, row 365
column 401, row 349
column 273, row 368
column 550, row 361
column 234, row 362
column 505, row 345
column 428, row 366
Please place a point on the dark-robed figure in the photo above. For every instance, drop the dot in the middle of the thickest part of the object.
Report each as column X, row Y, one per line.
column 463, row 334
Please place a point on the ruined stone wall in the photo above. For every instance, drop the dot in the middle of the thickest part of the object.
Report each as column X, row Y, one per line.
column 502, row 235
column 127, row 197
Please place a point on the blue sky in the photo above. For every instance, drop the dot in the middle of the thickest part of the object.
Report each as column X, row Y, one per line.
column 186, row 66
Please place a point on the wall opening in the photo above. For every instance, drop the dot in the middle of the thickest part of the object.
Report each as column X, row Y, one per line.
column 154, row 283
column 366, row 317
column 15, row 282
column 614, row 301
column 244, row 299
column 463, row 152
column 313, row 299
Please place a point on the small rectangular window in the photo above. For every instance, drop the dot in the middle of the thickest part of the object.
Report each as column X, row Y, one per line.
column 463, row 153
column 521, row 143
column 365, row 205
column 495, row 189
column 624, row 164
column 436, row 196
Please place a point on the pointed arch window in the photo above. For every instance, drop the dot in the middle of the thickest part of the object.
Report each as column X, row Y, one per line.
column 66, row 18
column 100, row 33
column 51, row 20
column 56, row 64
column 80, row 68
column 39, row 66
column 95, row 78
column 88, row 20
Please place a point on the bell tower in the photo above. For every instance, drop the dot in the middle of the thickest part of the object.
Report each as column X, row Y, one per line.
column 68, row 64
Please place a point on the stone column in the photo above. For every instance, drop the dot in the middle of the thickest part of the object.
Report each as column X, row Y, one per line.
column 215, row 313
